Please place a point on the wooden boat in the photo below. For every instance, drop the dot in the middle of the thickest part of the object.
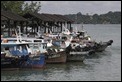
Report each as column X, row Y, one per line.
column 56, row 55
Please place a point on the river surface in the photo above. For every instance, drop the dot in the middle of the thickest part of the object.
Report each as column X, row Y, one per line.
column 104, row 66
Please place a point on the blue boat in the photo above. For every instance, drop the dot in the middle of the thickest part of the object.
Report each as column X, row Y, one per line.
column 35, row 62
column 16, row 54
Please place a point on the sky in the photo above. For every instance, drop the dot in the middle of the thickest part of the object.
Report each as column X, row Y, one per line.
column 73, row 7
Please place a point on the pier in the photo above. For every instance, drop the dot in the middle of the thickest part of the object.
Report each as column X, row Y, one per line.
column 35, row 21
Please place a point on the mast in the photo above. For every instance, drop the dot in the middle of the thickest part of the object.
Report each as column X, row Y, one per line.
column 18, row 35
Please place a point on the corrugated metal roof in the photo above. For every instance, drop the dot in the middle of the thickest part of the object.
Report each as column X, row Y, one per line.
column 37, row 15
column 47, row 17
column 12, row 16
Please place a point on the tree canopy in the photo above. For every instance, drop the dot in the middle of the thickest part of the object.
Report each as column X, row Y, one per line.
column 21, row 7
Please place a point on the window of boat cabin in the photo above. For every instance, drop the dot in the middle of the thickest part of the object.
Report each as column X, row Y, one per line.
column 36, row 46
column 37, row 40
column 7, row 48
column 64, row 38
column 23, row 46
column 20, row 47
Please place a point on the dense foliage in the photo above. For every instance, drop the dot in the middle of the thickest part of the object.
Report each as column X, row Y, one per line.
column 21, row 7
column 108, row 18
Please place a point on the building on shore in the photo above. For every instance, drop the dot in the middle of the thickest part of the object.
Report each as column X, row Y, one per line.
column 34, row 21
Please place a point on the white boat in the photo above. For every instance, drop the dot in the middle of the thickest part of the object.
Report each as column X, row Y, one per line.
column 76, row 51
column 38, row 44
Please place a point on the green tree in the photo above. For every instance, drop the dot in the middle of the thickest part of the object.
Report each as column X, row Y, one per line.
column 31, row 7
column 21, row 7
column 14, row 6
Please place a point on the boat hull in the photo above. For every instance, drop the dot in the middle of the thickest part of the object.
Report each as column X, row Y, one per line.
column 102, row 46
column 76, row 56
column 9, row 63
column 61, row 58
column 34, row 62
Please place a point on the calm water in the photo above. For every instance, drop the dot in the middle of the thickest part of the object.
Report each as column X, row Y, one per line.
column 105, row 66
